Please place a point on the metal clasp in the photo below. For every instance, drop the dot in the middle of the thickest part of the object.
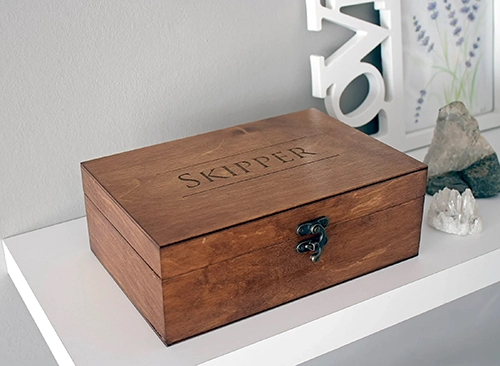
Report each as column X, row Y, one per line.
column 316, row 243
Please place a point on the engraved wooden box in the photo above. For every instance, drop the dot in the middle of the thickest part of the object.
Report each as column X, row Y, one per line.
column 203, row 231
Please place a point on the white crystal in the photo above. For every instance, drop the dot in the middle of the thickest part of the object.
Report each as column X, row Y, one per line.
column 454, row 213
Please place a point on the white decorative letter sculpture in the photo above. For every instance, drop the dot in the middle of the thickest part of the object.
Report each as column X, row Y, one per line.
column 330, row 77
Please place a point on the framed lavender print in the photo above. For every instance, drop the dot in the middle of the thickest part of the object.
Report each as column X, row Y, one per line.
column 433, row 52
column 447, row 56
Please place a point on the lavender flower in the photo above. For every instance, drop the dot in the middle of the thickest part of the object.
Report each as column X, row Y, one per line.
column 457, row 31
column 465, row 9
column 448, row 7
column 421, row 33
column 451, row 14
column 472, row 53
column 475, row 7
column 420, row 101
column 471, row 16
column 454, row 22
column 431, row 6
column 431, row 47
column 436, row 13
column 475, row 45
column 460, row 41
column 465, row 1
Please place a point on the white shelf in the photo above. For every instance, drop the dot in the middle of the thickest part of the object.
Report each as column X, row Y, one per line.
column 87, row 320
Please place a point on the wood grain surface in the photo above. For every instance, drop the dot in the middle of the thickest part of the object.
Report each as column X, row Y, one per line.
column 190, row 187
column 200, row 232
column 121, row 220
column 248, row 237
column 227, row 291
column 141, row 285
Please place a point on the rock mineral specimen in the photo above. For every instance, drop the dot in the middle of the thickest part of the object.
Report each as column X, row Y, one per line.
column 459, row 157
column 454, row 213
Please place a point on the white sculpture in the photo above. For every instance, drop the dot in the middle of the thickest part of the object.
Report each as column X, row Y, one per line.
column 330, row 77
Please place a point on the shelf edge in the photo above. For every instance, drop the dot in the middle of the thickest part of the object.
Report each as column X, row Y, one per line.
column 35, row 309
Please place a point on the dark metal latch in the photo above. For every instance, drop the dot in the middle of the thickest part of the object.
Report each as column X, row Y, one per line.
column 315, row 243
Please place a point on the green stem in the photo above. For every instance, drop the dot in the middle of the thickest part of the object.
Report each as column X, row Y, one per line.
column 473, row 82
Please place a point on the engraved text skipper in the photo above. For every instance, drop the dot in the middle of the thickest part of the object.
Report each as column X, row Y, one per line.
column 258, row 164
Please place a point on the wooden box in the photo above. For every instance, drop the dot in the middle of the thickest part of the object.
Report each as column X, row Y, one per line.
column 203, row 231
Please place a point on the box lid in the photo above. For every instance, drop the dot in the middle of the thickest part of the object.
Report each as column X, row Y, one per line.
column 193, row 186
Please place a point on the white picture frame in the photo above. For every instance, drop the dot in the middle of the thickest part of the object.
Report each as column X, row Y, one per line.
column 385, row 96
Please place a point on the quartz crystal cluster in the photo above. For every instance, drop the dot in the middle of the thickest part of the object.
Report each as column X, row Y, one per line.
column 459, row 156
column 454, row 213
